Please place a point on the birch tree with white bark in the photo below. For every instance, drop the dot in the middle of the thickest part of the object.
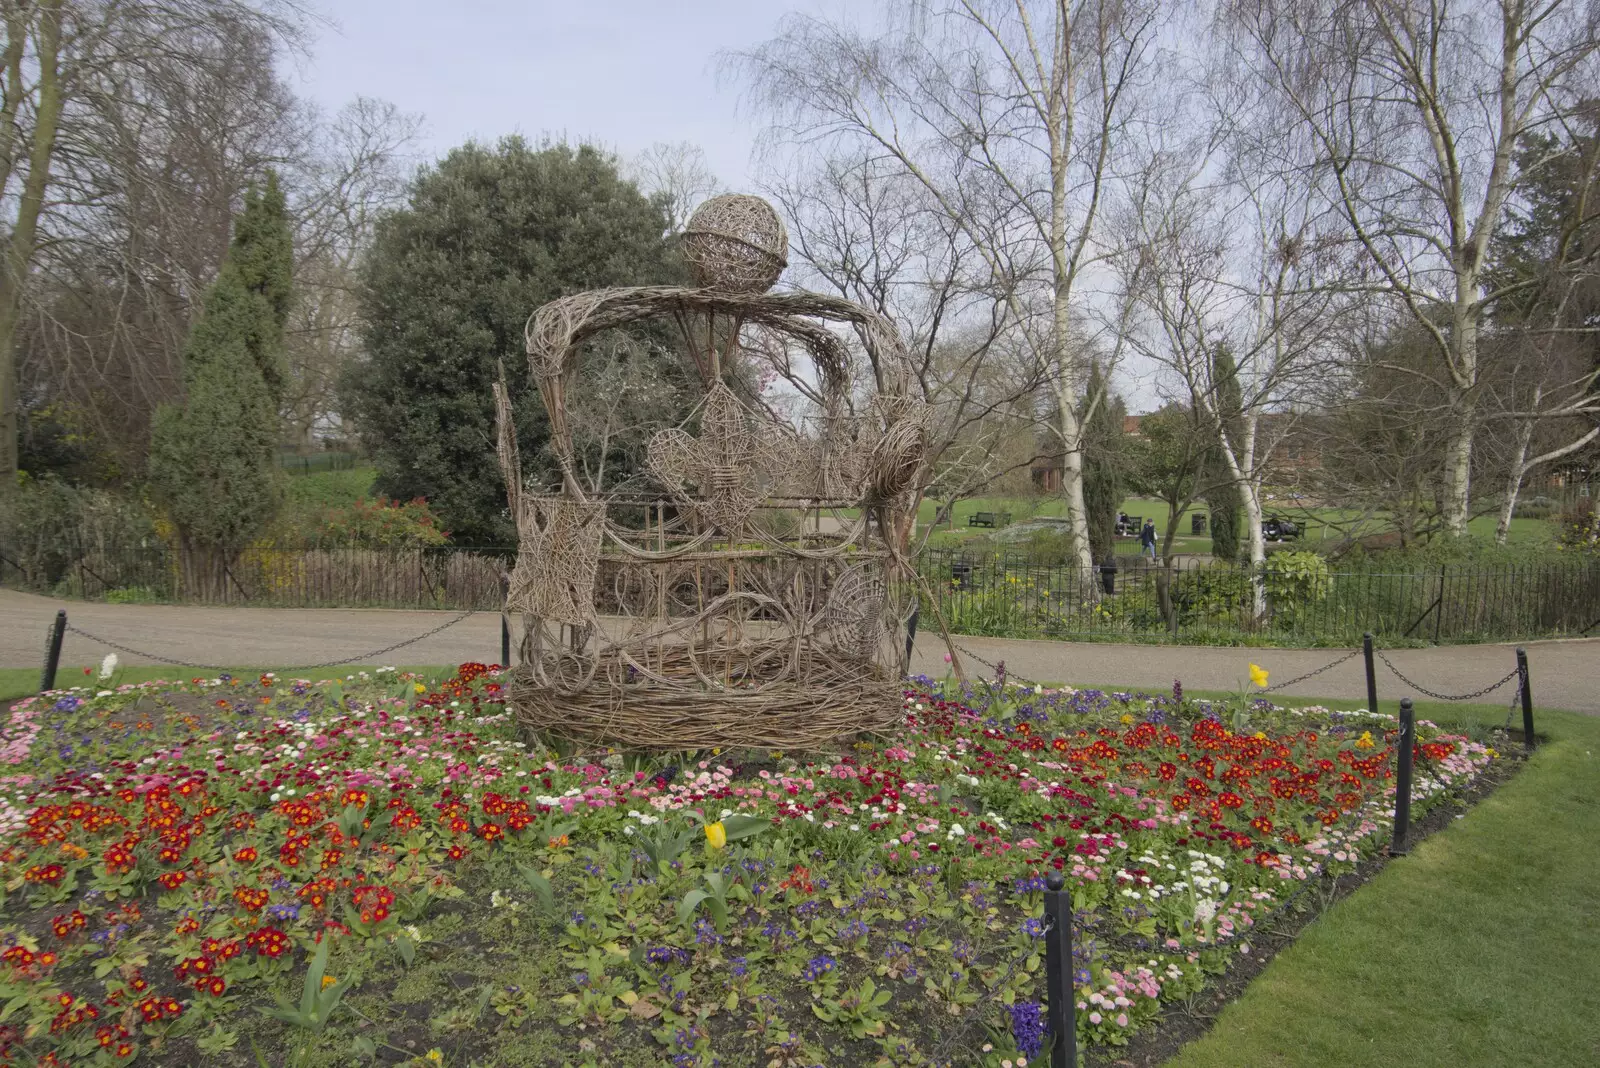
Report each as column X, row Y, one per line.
column 1416, row 109
column 1015, row 105
column 1229, row 257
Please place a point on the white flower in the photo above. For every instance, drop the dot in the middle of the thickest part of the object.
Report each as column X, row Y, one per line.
column 108, row 666
column 103, row 693
column 955, row 831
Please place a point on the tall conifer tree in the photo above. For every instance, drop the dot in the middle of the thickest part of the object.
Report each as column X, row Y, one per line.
column 213, row 459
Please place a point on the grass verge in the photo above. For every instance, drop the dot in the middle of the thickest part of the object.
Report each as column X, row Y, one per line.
column 1478, row 948
column 24, row 682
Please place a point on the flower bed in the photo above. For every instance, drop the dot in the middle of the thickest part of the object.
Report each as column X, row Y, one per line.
column 380, row 869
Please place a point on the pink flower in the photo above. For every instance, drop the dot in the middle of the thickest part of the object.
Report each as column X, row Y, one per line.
column 1122, row 1019
column 1095, row 1017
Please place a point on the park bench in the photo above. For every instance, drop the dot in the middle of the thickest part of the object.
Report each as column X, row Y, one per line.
column 989, row 519
column 1128, row 526
column 1279, row 529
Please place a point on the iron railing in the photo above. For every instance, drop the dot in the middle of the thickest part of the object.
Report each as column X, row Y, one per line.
column 1006, row 594
column 1013, row 595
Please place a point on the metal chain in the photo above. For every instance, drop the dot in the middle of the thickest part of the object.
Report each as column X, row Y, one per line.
column 298, row 667
column 1444, row 696
column 1312, row 674
column 975, row 1013
column 1282, row 685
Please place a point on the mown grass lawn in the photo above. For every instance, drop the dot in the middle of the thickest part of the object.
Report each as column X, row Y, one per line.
column 1480, row 948
column 21, row 682
column 1319, row 524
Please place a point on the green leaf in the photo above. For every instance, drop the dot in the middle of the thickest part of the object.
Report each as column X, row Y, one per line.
column 406, row 948
column 690, row 902
column 731, row 1003
column 741, row 825
column 543, row 892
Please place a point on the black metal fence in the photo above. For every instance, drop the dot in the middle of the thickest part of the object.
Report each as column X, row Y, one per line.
column 1013, row 595
column 311, row 463
column 999, row 595
column 316, row 577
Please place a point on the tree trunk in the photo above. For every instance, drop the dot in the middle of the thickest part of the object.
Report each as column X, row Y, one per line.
column 1457, row 503
column 19, row 249
column 1519, row 470
column 1254, row 528
column 1072, row 488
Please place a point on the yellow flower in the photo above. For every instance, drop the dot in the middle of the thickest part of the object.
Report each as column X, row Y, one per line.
column 327, row 981
column 1365, row 741
column 1262, row 735
column 1258, row 675
column 716, row 834
column 717, row 751
column 420, row 688
column 1127, row 718
column 1491, row 753
column 435, row 1055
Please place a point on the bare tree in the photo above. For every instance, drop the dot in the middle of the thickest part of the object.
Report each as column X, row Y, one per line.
column 1416, row 109
column 1228, row 257
column 863, row 228
column 678, row 173
column 353, row 170
column 89, row 89
column 1009, row 115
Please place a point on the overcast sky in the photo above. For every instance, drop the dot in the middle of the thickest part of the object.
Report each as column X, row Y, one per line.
column 622, row 73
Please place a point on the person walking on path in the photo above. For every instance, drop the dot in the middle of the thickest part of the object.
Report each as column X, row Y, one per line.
column 1147, row 539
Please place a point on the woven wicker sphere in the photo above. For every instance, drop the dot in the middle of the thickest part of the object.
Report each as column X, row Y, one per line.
column 736, row 244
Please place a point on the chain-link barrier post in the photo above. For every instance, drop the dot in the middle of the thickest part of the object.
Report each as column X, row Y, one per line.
column 1062, row 993
column 52, row 655
column 1402, row 782
column 1372, row 672
column 1527, row 699
column 505, row 623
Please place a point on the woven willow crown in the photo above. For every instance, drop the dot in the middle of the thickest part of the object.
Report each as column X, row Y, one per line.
column 755, row 596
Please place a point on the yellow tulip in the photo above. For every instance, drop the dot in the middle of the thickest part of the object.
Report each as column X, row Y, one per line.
column 1258, row 675
column 716, row 834
column 420, row 688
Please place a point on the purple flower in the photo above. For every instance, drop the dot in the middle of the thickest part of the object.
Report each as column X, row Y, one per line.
column 1028, row 1027
column 818, row 967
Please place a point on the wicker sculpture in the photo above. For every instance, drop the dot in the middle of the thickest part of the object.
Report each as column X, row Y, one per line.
column 672, row 615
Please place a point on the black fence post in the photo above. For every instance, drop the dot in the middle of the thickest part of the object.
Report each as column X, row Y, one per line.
column 1402, row 786
column 1062, row 993
column 911, row 630
column 1527, row 699
column 52, row 656
column 1372, row 674
column 505, row 624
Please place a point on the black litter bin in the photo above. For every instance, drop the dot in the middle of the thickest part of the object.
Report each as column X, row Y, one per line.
column 1108, row 577
column 960, row 574
column 1197, row 523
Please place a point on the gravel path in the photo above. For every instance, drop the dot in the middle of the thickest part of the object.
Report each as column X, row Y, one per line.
column 1566, row 674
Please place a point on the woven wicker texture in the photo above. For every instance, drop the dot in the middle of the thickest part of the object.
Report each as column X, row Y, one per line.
column 721, row 611
column 735, row 244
